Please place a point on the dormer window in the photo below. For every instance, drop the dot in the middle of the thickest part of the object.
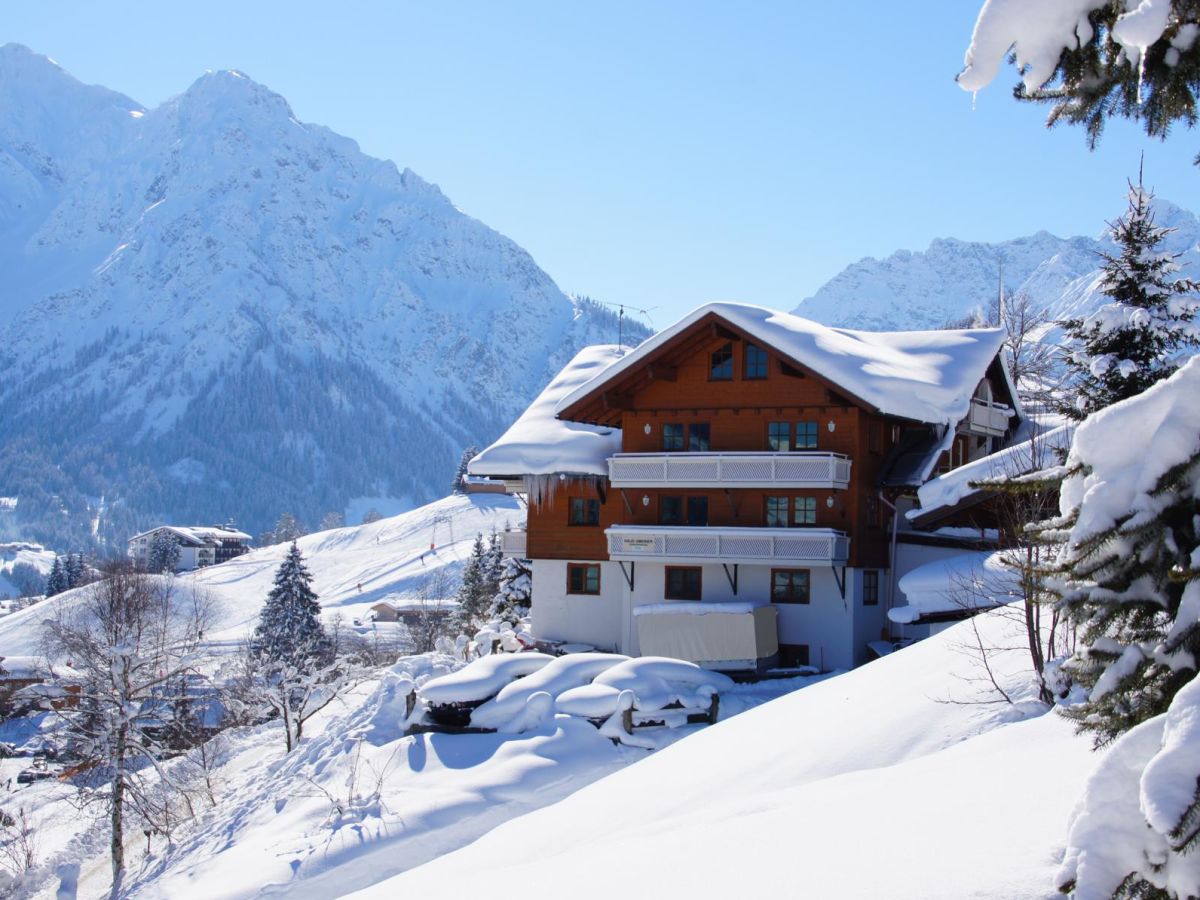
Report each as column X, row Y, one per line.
column 756, row 362
column 722, row 363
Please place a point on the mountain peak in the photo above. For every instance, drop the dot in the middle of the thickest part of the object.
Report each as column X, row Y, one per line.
column 229, row 89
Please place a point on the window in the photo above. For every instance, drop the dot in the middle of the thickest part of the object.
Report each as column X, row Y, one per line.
column 722, row 363
column 698, row 437
column 777, row 512
column 805, row 511
column 583, row 578
column 870, row 587
column 779, row 436
column 670, row 510
column 756, row 362
column 806, row 435
column 697, row 511
column 789, row 585
column 683, row 583
column 672, row 437
column 584, row 512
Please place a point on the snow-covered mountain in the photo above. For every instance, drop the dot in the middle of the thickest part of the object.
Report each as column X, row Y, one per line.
column 211, row 309
column 953, row 278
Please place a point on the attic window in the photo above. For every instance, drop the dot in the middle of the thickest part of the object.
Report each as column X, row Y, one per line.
column 756, row 362
column 722, row 363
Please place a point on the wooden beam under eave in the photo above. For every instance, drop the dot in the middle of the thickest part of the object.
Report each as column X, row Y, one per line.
column 614, row 401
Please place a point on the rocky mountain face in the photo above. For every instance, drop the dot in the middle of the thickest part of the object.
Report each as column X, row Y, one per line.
column 212, row 310
column 953, row 279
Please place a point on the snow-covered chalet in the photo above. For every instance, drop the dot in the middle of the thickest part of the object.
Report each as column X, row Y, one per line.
column 730, row 491
column 199, row 545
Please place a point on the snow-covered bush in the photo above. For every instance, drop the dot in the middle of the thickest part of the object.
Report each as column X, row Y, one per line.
column 655, row 682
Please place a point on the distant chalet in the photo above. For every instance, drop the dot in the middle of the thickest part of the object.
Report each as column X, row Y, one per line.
column 732, row 490
column 199, row 545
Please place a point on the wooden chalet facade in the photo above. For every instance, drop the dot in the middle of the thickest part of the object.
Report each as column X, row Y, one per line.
column 736, row 503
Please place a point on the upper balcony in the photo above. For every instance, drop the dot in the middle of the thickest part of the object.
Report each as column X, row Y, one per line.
column 988, row 417
column 754, row 469
column 698, row 545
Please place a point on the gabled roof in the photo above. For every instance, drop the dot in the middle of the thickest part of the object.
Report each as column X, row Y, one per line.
column 540, row 444
column 925, row 376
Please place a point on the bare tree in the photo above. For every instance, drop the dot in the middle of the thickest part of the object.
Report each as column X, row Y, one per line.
column 1034, row 362
column 131, row 636
column 18, row 845
column 432, row 616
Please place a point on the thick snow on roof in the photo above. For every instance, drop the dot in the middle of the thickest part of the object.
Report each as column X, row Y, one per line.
column 199, row 534
column 927, row 376
column 539, row 444
column 958, row 584
column 1028, row 456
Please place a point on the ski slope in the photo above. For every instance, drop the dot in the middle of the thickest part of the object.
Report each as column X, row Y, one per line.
column 391, row 559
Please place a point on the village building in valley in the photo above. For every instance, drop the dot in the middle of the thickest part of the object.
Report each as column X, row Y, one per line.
column 731, row 492
column 199, row 545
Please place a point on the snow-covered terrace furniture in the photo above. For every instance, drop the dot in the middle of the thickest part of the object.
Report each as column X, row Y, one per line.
column 648, row 690
column 507, row 711
column 727, row 636
column 451, row 698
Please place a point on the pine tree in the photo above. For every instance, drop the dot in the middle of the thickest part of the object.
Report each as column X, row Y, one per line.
column 474, row 593
column 56, row 581
column 513, row 599
column 1132, row 342
column 164, row 553
column 289, row 631
column 288, row 529
column 458, row 487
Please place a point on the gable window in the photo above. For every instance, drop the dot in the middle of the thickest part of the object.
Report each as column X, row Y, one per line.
column 779, row 436
column 777, row 512
column 756, row 362
column 583, row 512
column 698, row 441
column 672, row 437
column 870, row 587
column 722, row 363
column 583, row 578
column 697, row 511
column 805, row 511
column 682, row 583
column 670, row 510
column 789, row 586
column 806, row 435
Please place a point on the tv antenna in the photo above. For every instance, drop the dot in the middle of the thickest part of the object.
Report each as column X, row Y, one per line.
column 620, row 308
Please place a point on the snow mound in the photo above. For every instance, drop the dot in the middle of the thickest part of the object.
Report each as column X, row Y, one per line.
column 505, row 710
column 483, row 678
column 968, row 581
column 653, row 682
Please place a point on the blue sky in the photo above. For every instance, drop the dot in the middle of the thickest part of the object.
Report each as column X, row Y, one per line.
column 658, row 154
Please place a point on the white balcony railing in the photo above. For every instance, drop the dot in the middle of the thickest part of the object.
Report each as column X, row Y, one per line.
column 748, row 470
column 987, row 417
column 684, row 544
column 512, row 543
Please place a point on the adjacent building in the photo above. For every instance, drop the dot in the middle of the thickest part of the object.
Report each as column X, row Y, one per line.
column 199, row 545
column 731, row 491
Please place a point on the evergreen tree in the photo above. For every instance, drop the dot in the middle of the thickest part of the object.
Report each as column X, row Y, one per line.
column 164, row 553
column 1129, row 344
column 288, row 529
column 457, row 487
column 513, row 599
column 474, row 594
column 56, row 581
column 289, row 631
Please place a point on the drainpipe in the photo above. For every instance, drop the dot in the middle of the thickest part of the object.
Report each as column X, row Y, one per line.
column 891, row 559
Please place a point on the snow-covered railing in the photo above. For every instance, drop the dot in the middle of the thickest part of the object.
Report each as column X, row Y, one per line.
column 988, row 417
column 513, row 543
column 684, row 544
column 805, row 469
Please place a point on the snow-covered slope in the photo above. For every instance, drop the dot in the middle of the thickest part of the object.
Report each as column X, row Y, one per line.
column 391, row 559
column 953, row 278
column 246, row 311
column 894, row 780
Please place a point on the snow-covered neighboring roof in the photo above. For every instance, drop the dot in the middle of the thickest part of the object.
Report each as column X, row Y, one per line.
column 24, row 668
column 539, row 444
column 199, row 534
column 962, row 583
column 1036, row 453
column 926, row 376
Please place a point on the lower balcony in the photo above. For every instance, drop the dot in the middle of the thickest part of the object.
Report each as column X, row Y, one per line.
column 758, row 469
column 699, row 545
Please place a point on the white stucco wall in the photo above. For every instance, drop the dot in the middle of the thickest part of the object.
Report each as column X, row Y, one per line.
column 577, row 618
